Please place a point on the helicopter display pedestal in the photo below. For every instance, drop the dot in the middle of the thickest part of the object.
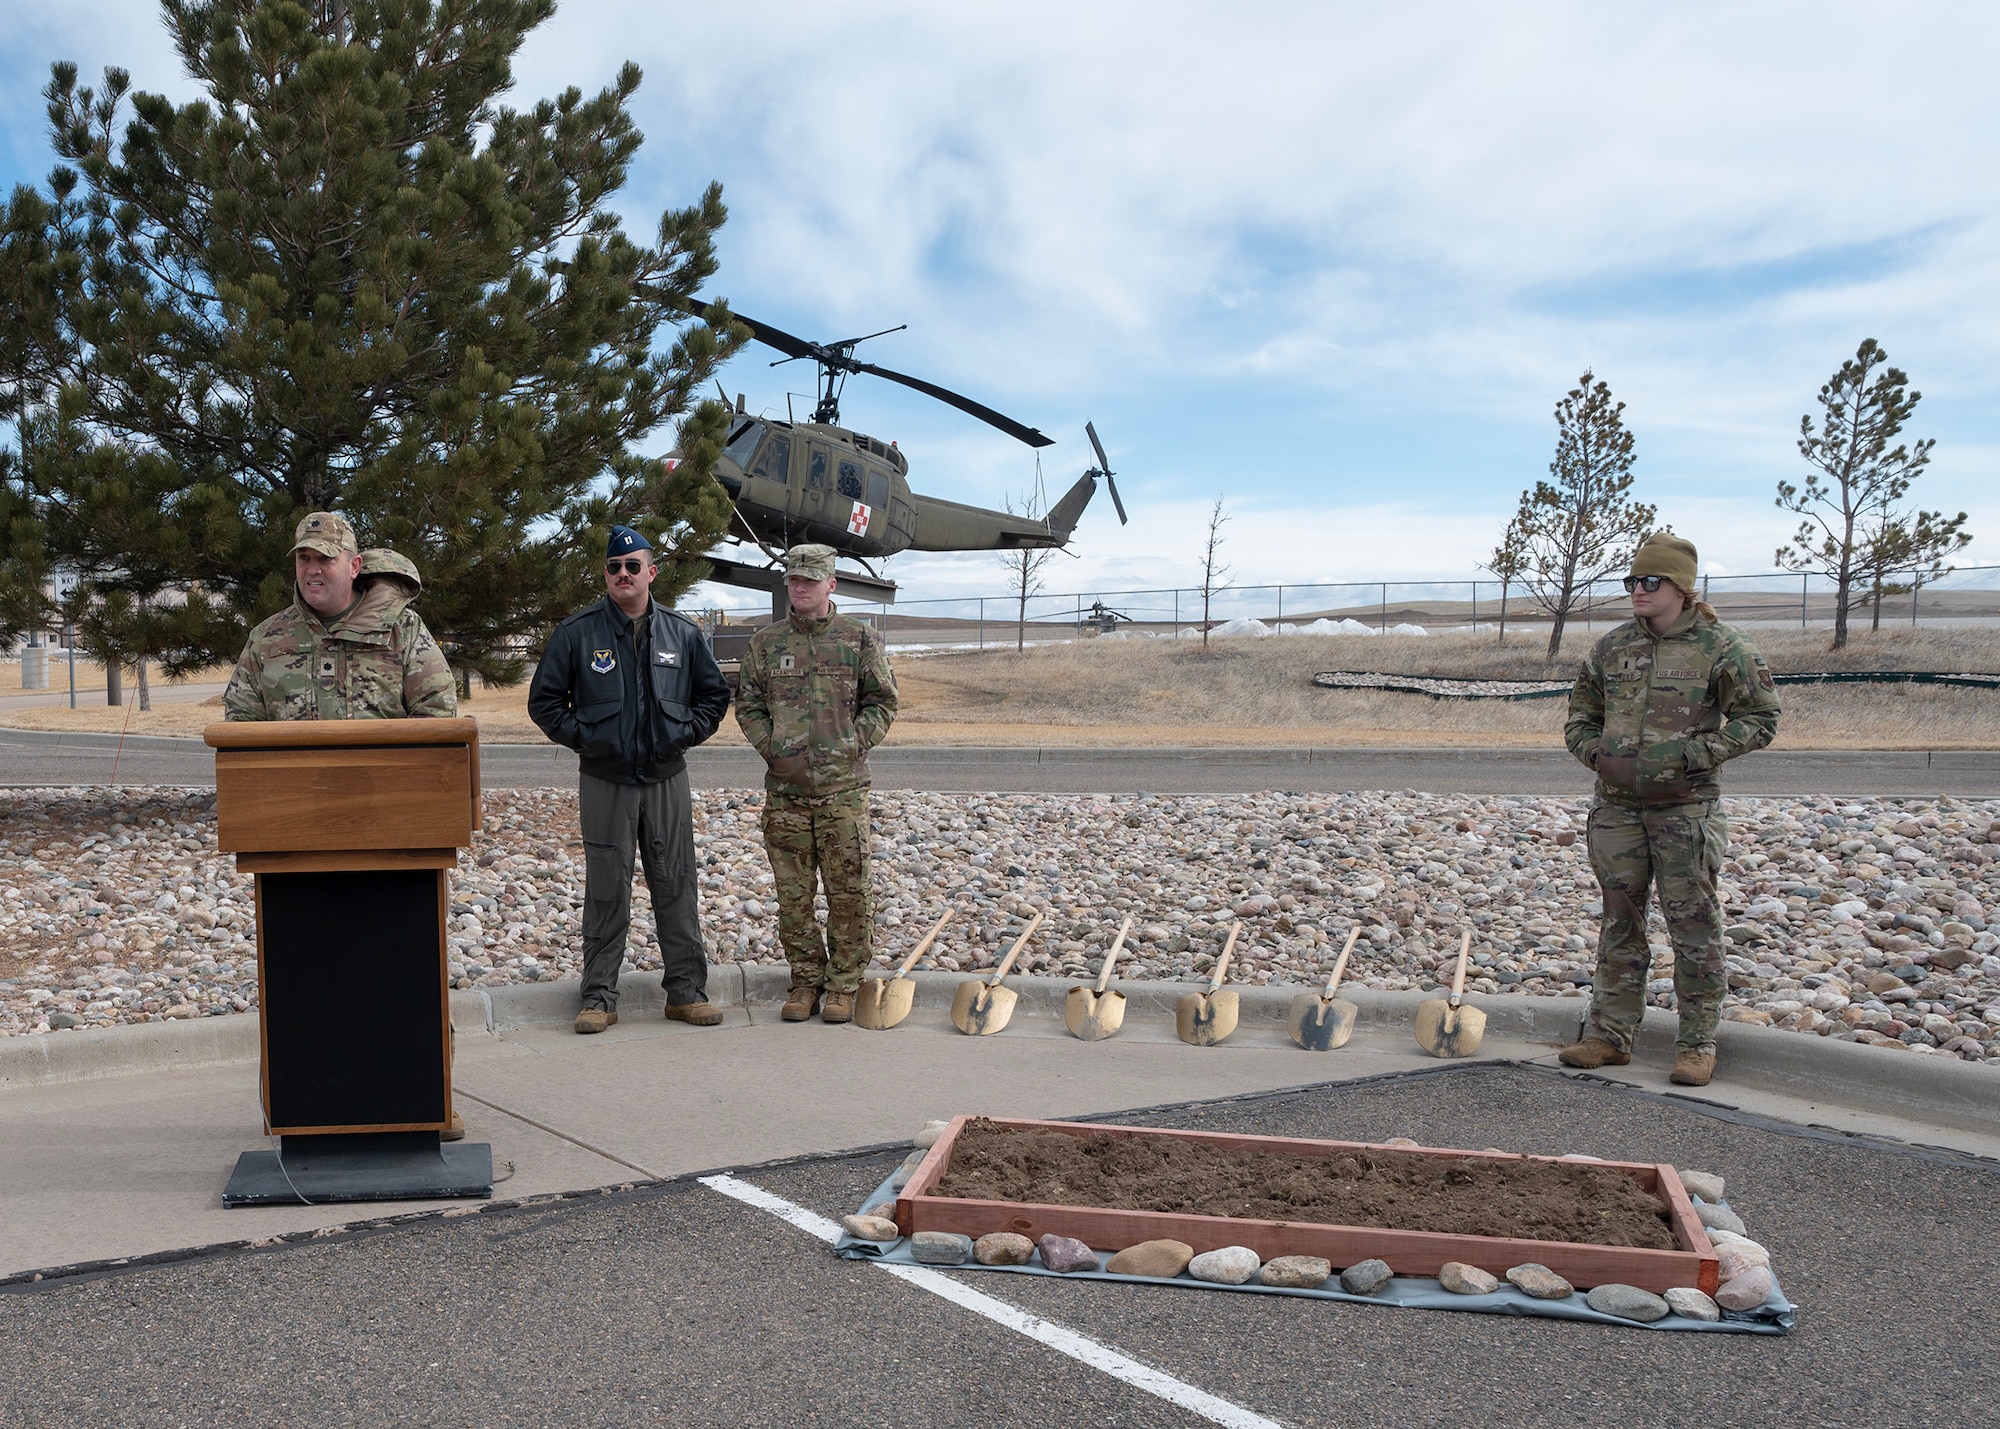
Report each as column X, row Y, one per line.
column 854, row 585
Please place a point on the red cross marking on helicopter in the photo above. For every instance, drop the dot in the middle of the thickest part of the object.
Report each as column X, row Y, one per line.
column 858, row 522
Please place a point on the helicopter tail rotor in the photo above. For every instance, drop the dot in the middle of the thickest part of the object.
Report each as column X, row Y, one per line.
column 1103, row 469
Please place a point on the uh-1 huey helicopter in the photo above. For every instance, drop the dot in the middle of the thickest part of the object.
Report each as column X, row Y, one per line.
column 818, row 481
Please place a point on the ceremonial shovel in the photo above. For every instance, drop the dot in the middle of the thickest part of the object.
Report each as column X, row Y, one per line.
column 1319, row 1021
column 1444, row 1028
column 881, row 1002
column 1094, row 1014
column 980, row 1009
column 1203, row 1019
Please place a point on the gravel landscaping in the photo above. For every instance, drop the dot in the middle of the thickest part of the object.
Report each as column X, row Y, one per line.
column 1862, row 919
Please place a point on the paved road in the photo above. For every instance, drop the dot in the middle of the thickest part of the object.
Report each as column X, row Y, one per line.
column 38, row 758
column 671, row 1302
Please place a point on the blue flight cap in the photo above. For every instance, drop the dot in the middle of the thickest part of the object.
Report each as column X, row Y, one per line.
column 624, row 541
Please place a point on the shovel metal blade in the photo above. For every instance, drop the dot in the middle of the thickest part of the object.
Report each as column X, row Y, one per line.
column 1319, row 1023
column 881, row 1002
column 1447, row 1031
column 979, row 1009
column 1203, row 1019
column 1093, row 1016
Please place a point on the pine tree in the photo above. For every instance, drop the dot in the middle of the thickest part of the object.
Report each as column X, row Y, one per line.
column 1508, row 560
column 1583, row 526
column 1855, row 533
column 30, row 260
column 349, row 277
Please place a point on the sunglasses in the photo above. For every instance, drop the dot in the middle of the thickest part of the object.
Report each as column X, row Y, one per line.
column 633, row 567
column 1651, row 583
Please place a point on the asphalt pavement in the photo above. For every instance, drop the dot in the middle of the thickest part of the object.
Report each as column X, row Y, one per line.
column 33, row 757
column 671, row 1302
column 611, row 1285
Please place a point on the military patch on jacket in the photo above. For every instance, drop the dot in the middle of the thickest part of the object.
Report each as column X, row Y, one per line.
column 602, row 661
column 1764, row 678
column 784, row 662
column 666, row 657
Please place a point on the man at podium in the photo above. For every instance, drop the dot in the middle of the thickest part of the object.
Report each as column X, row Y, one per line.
column 348, row 646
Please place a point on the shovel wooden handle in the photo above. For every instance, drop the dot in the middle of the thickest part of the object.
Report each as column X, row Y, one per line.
column 925, row 945
column 1015, row 951
column 1222, row 963
column 1104, row 975
column 1339, row 967
column 1458, row 976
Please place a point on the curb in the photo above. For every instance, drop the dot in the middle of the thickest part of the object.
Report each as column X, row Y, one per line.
column 1931, row 1091
column 1089, row 754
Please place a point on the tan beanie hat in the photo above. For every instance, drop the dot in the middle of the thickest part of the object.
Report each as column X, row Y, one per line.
column 1666, row 554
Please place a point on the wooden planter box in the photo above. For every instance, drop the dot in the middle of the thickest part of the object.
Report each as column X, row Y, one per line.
column 1419, row 1253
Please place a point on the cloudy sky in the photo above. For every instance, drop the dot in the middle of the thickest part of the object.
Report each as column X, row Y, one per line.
column 1334, row 262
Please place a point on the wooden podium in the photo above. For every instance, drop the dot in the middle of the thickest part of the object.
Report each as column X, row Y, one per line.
column 350, row 828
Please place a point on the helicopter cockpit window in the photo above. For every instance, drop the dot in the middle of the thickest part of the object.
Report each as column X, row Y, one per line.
column 816, row 473
column 878, row 490
column 743, row 442
column 774, row 459
column 849, row 484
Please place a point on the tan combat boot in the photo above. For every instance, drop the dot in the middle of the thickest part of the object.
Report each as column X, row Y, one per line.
column 800, row 1003
column 839, row 1007
column 1692, row 1069
column 595, row 1019
column 1592, row 1053
column 700, row 1014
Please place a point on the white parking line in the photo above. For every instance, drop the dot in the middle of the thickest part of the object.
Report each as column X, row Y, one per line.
column 1068, row 1342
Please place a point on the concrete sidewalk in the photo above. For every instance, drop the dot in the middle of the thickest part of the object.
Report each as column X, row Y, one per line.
column 122, row 1138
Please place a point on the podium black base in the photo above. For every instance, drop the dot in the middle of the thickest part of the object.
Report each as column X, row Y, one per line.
column 365, row 1166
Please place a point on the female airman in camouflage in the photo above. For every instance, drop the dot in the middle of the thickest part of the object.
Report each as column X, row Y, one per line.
column 1660, row 704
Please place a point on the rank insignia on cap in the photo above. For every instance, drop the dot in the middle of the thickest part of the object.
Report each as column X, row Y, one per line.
column 602, row 661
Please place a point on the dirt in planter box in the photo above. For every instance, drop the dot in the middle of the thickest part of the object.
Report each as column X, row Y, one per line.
column 1390, row 1190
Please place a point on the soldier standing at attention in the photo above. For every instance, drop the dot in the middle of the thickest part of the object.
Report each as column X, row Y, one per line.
column 348, row 646
column 1658, row 707
column 631, row 686
column 816, row 695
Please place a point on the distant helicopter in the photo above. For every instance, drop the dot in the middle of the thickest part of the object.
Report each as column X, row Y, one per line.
column 795, row 482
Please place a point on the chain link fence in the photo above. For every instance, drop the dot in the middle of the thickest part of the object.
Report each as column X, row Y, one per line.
column 1967, row 595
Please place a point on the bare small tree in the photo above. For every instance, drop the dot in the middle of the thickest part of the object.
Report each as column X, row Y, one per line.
column 1506, row 563
column 1854, row 532
column 1213, row 573
column 1024, row 567
column 1584, row 525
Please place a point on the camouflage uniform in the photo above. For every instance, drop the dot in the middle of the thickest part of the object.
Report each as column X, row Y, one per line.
column 815, row 697
column 1655, row 717
column 376, row 660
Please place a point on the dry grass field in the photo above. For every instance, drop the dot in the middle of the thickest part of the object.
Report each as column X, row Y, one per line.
column 1251, row 692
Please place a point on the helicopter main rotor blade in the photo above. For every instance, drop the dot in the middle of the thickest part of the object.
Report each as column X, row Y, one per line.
column 1114, row 497
column 986, row 414
column 837, row 360
column 794, row 347
column 1103, row 461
